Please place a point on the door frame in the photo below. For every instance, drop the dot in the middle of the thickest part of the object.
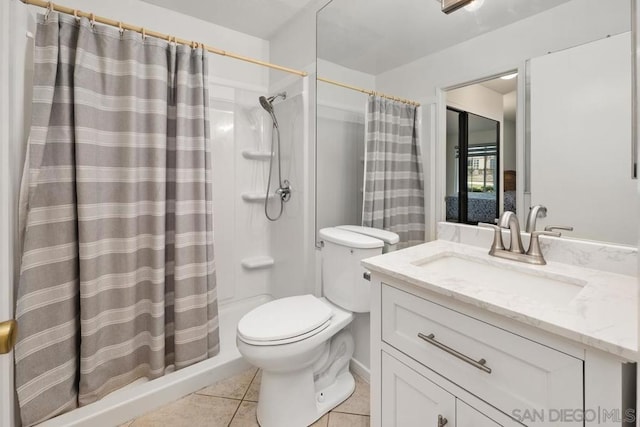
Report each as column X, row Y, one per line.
column 17, row 25
column 7, row 401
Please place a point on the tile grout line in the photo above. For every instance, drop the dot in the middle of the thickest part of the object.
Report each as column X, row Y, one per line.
column 242, row 399
column 250, row 383
column 350, row 413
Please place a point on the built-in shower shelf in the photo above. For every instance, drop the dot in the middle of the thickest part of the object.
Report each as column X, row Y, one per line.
column 257, row 262
column 256, row 154
column 256, row 197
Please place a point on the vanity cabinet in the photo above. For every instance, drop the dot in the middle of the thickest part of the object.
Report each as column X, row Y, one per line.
column 409, row 399
column 434, row 360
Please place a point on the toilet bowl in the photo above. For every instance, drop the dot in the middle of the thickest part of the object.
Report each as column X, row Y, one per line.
column 300, row 343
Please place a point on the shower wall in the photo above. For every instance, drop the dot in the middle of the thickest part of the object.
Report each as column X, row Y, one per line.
column 291, row 237
column 239, row 125
column 255, row 256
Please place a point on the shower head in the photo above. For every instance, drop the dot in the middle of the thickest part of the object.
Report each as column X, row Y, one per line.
column 266, row 103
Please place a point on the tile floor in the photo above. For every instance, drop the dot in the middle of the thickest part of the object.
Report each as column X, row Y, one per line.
column 232, row 403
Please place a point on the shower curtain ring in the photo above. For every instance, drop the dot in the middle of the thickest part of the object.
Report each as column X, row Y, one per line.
column 121, row 29
column 49, row 10
column 92, row 20
column 144, row 34
column 75, row 15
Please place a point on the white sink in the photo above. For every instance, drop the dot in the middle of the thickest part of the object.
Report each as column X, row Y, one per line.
column 503, row 277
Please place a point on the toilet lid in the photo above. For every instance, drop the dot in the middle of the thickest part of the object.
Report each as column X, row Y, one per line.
column 284, row 318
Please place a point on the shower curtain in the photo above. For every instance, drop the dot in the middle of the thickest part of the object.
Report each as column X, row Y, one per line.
column 393, row 181
column 117, row 277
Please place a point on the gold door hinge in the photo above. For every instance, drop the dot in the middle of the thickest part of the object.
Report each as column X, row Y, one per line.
column 8, row 334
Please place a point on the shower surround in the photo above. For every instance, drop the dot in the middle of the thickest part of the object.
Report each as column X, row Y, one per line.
column 240, row 229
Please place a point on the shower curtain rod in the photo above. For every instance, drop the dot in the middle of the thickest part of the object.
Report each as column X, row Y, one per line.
column 145, row 32
column 368, row 92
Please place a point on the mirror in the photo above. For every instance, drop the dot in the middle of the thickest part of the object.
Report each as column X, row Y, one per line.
column 572, row 131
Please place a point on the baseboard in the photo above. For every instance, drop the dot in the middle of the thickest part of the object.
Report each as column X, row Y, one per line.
column 360, row 370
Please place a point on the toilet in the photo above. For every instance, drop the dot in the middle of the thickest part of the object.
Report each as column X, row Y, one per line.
column 300, row 343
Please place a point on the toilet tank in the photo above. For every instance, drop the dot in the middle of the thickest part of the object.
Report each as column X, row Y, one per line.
column 343, row 281
column 389, row 238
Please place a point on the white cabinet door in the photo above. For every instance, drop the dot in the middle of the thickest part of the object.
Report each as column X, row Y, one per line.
column 410, row 400
column 469, row 417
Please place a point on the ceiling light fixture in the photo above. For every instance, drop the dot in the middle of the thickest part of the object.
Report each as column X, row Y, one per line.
column 474, row 5
column 509, row 76
column 449, row 6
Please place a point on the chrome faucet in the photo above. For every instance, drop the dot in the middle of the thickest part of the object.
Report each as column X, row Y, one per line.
column 509, row 220
column 516, row 252
column 535, row 212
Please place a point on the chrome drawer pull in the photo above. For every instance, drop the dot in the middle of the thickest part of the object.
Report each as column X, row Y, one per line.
column 480, row 364
column 442, row 421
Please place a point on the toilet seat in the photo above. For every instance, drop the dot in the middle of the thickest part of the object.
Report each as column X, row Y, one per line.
column 284, row 321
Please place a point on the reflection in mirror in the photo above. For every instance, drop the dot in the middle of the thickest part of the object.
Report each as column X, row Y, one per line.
column 580, row 139
column 473, row 145
column 487, row 148
column 571, row 154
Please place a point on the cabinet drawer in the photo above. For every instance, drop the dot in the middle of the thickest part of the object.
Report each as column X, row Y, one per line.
column 524, row 375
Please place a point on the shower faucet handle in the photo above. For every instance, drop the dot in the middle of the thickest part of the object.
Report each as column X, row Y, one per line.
column 284, row 191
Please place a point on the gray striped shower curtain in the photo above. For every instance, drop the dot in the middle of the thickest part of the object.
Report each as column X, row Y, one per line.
column 117, row 278
column 393, row 180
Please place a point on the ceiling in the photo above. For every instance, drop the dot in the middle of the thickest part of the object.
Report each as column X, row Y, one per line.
column 501, row 86
column 259, row 18
column 374, row 36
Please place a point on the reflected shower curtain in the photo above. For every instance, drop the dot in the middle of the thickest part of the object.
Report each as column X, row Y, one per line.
column 117, row 279
column 393, row 180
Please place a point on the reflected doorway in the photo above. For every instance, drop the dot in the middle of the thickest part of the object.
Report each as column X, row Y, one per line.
column 485, row 103
column 473, row 159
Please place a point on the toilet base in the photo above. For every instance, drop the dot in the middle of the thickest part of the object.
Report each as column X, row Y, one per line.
column 298, row 398
column 335, row 394
column 301, row 405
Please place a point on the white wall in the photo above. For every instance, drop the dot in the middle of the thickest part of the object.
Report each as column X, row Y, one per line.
column 580, row 131
column 509, row 146
column 340, row 146
column 294, row 44
column 509, row 100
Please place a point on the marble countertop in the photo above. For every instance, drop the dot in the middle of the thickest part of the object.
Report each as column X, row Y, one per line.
column 603, row 313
